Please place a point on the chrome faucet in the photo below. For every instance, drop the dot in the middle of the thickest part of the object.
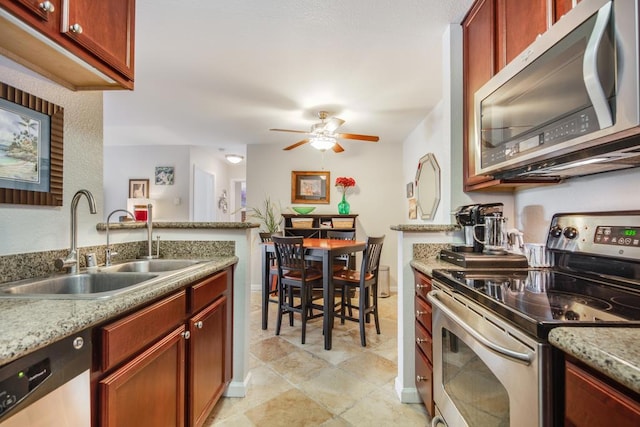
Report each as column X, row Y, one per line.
column 150, row 233
column 72, row 261
column 108, row 252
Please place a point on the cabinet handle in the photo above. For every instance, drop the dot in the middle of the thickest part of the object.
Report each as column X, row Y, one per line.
column 76, row 28
column 421, row 340
column 420, row 313
column 421, row 286
column 186, row 335
column 199, row 324
column 419, row 378
column 47, row 6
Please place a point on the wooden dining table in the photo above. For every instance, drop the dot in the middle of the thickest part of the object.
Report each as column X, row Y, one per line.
column 316, row 249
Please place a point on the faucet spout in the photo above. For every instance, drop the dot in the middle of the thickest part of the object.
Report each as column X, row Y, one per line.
column 108, row 252
column 72, row 261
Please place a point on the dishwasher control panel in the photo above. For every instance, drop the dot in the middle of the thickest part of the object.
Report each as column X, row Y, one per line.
column 17, row 385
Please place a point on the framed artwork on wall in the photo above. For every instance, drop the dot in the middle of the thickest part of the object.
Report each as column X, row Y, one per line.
column 310, row 187
column 31, row 149
column 164, row 175
column 138, row 188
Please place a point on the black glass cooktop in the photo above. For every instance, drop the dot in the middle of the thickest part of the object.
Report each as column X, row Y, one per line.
column 538, row 300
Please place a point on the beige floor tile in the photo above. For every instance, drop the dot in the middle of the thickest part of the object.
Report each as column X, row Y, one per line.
column 293, row 384
column 292, row 408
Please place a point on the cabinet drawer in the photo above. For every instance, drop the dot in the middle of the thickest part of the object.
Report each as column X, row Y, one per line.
column 423, row 313
column 424, row 380
column 126, row 337
column 423, row 285
column 590, row 402
column 424, row 341
column 208, row 290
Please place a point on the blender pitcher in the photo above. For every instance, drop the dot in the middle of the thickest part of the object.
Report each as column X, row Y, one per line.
column 495, row 237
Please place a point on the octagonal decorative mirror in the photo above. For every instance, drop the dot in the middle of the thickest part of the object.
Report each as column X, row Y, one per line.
column 428, row 186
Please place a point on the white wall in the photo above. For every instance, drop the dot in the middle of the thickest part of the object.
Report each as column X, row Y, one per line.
column 602, row 192
column 122, row 163
column 26, row 228
column 379, row 199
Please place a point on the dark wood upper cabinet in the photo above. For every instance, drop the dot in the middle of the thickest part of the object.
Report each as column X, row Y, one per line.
column 560, row 7
column 495, row 32
column 79, row 44
column 518, row 24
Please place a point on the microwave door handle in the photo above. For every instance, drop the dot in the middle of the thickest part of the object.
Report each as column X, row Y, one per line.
column 514, row 355
column 590, row 69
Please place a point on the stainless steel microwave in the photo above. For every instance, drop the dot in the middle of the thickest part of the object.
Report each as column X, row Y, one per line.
column 570, row 104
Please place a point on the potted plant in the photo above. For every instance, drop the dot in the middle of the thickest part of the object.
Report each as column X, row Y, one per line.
column 269, row 214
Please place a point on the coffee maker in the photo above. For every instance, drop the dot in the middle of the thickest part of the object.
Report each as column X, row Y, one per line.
column 467, row 217
column 471, row 254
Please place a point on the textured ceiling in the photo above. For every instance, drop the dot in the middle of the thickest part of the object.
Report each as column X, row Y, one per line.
column 220, row 73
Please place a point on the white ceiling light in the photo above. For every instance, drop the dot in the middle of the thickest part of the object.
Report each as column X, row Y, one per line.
column 234, row 158
column 323, row 143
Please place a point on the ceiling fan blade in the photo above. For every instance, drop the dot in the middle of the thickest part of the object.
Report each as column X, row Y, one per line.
column 297, row 144
column 337, row 148
column 289, row 130
column 369, row 138
column 332, row 124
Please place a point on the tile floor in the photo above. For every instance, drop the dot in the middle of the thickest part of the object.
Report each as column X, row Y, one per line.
column 304, row 385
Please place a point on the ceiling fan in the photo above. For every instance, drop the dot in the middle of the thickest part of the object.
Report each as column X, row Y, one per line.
column 323, row 135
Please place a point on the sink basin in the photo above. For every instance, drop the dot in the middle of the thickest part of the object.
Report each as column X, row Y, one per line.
column 151, row 265
column 86, row 285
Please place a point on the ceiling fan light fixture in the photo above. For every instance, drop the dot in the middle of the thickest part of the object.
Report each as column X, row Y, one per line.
column 323, row 143
column 234, row 158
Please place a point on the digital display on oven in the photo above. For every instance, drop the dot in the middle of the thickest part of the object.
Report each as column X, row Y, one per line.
column 618, row 236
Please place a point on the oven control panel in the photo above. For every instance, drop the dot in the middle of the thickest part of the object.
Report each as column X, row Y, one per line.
column 611, row 234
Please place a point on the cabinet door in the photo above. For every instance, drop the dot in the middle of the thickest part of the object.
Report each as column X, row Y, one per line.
column 519, row 23
column 424, row 380
column 105, row 28
column 43, row 15
column 149, row 390
column 207, row 361
column 478, row 68
column 560, row 7
column 591, row 402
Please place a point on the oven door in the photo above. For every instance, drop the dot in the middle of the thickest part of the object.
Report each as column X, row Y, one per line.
column 486, row 373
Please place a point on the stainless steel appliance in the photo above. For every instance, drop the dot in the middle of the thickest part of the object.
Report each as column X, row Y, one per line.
column 470, row 216
column 492, row 362
column 49, row 387
column 570, row 104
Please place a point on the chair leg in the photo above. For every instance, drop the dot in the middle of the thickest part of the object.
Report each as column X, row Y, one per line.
column 303, row 311
column 374, row 289
column 290, row 303
column 280, row 310
column 362, row 316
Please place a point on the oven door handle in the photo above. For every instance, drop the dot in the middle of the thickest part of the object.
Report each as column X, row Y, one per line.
column 514, row 355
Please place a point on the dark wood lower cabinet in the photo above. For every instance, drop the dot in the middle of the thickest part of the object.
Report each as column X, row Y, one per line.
column 207, row 368
column 424, row 341
column 589, row 401
column 149, row 390
column 168, row 363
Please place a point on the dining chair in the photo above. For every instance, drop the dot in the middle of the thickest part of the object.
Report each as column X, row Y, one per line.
column 272, row 285
column 365, row 281
column 343, row 260
column 297, row 279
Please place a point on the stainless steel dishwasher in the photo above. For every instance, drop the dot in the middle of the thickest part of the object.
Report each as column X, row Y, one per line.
column 49, row 387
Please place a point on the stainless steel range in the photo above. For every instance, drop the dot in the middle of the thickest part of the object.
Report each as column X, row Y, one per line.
column 492, row 362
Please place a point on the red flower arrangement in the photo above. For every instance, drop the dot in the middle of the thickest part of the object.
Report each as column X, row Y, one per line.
column 345, row 182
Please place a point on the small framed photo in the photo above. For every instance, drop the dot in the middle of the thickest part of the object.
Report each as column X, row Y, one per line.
column 410, row 190
column 164, row 175
column 138, row 188
column 310, row 187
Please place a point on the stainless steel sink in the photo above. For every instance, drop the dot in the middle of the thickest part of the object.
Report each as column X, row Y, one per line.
column 151, row 265
column 85, row 285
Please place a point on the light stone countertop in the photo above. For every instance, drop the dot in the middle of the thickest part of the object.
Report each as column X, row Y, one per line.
column 613, row 351
column 425, row 228
column 130, row 225
column 29, row 324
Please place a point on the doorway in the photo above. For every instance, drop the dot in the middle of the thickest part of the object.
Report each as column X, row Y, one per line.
column 203, row 195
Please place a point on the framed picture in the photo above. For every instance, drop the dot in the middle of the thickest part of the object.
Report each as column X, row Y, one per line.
column 164, row 175
column 410, row 190
column 138, row 188
column 310, row 187
column 31, row 149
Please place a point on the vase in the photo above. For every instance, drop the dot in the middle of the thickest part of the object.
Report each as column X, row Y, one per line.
column 343, row 206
